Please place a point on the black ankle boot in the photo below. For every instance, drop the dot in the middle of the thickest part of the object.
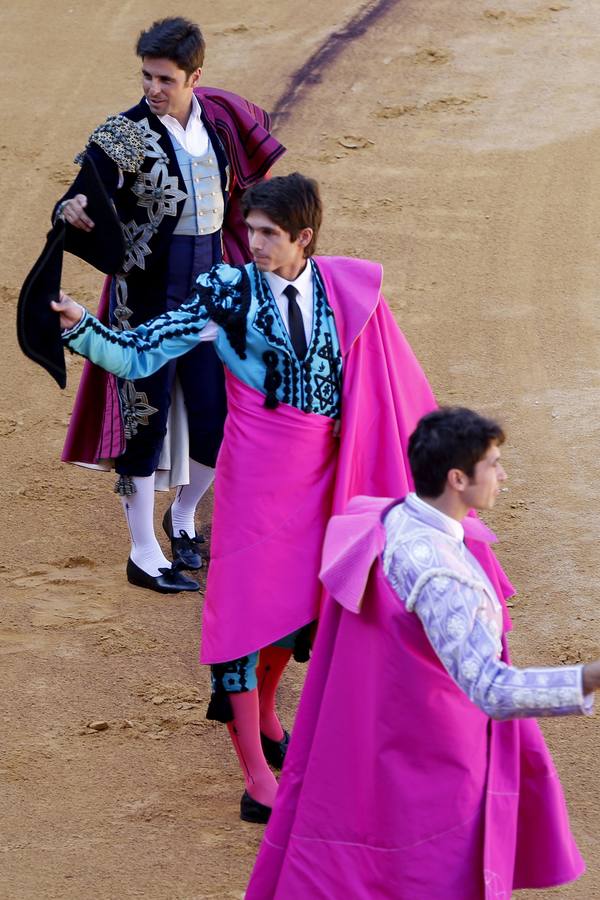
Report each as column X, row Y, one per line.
column 253, row 811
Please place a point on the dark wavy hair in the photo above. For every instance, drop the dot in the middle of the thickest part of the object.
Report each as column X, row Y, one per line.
column 291, row 201
column 450, row 438
column 176, row 39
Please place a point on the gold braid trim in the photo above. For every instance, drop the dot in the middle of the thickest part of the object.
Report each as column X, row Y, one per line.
column 122, row 140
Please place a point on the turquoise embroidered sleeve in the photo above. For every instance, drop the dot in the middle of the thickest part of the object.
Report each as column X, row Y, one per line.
column 141, row 351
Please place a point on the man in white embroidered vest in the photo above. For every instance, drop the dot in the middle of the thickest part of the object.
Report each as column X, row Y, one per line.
column 175, row 166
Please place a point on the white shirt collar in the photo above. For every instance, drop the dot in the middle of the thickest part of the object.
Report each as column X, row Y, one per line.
column 303, row 283
column 173, row 124
column 436, row 517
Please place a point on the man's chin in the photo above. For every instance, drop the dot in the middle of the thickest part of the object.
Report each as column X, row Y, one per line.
column 263, row 264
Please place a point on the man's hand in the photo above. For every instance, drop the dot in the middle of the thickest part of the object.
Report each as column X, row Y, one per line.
column 70, row 312
column 72, row 211
column 591, row 677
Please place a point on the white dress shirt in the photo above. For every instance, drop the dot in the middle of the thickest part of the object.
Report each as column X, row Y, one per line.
column 194, row 137
column 304, row 286
column 451, row 525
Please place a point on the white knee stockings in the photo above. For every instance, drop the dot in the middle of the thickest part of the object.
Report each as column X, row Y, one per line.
column 189, row 496
column 146, row 552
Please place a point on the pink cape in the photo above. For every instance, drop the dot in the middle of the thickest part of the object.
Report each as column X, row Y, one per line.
column 395, row 784
column 278, row 479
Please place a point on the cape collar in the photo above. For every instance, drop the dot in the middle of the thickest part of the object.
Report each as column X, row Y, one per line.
column 353, row 288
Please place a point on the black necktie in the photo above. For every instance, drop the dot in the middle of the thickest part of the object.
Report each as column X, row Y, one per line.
column 296, row 325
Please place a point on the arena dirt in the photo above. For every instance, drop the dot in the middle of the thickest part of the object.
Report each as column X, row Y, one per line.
column 457, row 143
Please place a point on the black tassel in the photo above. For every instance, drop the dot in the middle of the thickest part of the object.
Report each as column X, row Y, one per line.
column 220, row 708
column 125, row 486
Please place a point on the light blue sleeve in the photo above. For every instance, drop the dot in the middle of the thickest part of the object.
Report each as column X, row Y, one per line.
column 448, row 609
column 142, row 350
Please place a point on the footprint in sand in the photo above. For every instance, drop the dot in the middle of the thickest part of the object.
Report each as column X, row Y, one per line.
column 65, row 593
column 449, row 103
column 335, row 148
column 432, row 56
column 148, row 809
column 117, row 640
column 8, row 425
column 506, row 17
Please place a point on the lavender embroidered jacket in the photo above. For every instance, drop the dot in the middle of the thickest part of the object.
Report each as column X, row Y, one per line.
column 432, row 571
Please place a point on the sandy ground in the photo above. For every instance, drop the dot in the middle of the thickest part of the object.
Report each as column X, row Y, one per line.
column 458, row 143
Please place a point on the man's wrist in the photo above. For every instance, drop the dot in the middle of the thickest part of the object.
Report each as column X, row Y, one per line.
column 72, row 329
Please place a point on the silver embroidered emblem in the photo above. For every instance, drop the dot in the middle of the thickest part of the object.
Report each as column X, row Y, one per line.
column 136, row 408
column 158, row 192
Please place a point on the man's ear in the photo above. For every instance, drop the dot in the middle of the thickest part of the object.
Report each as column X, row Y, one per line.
column 457, row 480
column 194, row 78
column 305, row 237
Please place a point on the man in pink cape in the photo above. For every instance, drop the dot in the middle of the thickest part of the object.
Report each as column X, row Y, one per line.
column 413, row 772
column 322, row 393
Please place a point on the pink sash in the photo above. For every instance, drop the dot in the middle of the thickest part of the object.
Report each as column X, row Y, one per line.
column 273, row 497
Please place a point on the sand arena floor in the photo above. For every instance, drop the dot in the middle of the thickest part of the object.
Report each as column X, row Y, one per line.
column 458, row 143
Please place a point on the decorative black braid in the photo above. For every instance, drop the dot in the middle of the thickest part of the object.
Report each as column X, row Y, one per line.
column 127, row 339
column 125, row 486
column 228, row 306
column 225, row 304
column 264, row 313
column 287, row 379
column 272, row 379
column 226, row 677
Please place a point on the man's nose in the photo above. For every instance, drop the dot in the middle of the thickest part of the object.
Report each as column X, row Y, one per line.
column 502, row 476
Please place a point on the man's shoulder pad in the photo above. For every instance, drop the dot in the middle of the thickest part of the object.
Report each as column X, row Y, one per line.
column 121, row 139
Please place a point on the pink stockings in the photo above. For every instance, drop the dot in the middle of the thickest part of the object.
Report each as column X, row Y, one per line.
column 245, row 736
column 253, row 712
column 272, row 662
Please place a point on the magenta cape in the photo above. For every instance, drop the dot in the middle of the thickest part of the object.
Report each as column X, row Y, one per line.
column 280, row 473
column 95, row 432
column 396, row 784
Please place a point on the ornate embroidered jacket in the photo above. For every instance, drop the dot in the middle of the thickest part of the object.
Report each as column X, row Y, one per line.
column 435, row 575
column 149, row 203
column 252, row 340
column 137, row 145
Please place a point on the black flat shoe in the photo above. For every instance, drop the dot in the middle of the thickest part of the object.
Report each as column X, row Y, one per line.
column 170, row 581
column 184, row 548
column 275, row 750
column 253, row 811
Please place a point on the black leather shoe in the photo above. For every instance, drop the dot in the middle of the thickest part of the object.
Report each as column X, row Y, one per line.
column 253, row 811
column 170, row 581
column 275, row 750
column 184, row 548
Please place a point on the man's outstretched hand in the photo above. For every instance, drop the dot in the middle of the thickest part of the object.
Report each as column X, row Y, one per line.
column 70, row 312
